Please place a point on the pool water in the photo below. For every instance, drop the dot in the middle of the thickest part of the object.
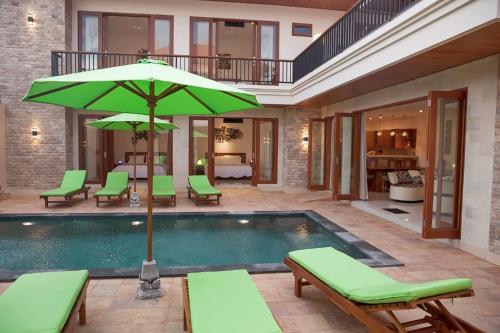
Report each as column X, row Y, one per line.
column 119, row 241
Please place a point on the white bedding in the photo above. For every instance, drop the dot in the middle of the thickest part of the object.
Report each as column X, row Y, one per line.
column 142, row 170
column 233, row 171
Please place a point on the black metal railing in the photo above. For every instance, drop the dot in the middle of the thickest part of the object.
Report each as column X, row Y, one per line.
column 255, row 71
column 364, row 17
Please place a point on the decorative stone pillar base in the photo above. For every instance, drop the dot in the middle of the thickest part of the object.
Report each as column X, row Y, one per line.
column 149, row 281
column 134, row 200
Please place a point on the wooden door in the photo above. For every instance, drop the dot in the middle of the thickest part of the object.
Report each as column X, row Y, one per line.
column 265, row 155
column 346, row 156
column 445, row 160
column 318, row 166
column 201, row 147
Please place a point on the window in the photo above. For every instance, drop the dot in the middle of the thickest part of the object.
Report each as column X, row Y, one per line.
column 302, row 29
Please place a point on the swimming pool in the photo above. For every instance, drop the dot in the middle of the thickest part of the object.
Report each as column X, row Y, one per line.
column 115, row 245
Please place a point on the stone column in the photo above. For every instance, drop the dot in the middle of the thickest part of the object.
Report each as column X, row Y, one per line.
column 495, row 190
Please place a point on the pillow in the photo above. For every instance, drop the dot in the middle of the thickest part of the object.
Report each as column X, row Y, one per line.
column 416, row 178
column 393, row 178
column 227, row 160
column 404, row 177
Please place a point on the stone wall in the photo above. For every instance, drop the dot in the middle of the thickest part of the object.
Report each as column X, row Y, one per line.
column 495, row 191
column 25, row 50
column 296, row 124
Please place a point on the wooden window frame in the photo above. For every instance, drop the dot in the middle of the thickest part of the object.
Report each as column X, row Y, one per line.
column 301, row 25
column 102, row 21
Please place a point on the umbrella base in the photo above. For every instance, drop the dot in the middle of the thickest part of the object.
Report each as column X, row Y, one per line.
column 134, row 200
column 149, row 281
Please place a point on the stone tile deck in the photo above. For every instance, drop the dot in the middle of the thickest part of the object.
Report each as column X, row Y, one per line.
column 112, row 307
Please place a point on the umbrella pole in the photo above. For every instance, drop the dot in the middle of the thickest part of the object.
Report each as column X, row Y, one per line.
column 150, row 181
column 135, row 159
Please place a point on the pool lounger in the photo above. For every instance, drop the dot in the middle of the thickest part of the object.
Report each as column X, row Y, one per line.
column 116, row 186
column 202, row 190
column 44, row 302
column 225, row 302
column 163, row 189
column 360, row 291
column 73, row 183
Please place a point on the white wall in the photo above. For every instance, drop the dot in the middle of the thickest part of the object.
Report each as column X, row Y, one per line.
column 480, row 77
column 3, row 180
column 182, row 10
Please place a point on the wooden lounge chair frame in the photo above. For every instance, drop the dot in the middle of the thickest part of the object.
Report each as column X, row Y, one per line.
column 439, row 319
column 68, row 197
column 119, row 196
column 187, row 311
column 202, row 198
column 79, row 310
column 166, row 198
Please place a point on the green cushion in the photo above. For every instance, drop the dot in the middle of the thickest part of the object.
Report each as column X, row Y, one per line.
column 228, row 302
column 163, row 186
column 116, row 183
column 201, row 185
column 73, row 180
column 40, row 302
column 361, row 283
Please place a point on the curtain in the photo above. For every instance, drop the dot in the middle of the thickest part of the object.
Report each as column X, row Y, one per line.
column 363, row 177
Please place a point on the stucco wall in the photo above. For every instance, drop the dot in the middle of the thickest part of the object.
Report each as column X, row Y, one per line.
column 26, row 50
column 480, row 77
column 182, row 10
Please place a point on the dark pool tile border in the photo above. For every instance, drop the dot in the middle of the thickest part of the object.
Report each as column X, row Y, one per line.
column 374, row 256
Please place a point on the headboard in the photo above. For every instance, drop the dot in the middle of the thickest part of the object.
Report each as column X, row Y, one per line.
column 243, row 156
column 129, row 154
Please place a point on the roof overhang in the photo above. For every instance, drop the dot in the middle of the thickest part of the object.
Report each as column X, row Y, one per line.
column 342, row 5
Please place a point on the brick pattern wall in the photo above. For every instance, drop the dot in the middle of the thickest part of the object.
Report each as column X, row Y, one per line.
column 495, row 195
column 296, row 124
column 25, row 51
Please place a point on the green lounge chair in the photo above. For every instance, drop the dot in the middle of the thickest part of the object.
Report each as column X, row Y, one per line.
column 225, row 302
column 362, row 291
column 202, row 190
column 116, row 186
column 44, row 302
column 163, row 189
column 73, row 183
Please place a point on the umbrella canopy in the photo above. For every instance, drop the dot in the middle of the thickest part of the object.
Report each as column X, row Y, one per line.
column 149, row 87
column 131, row 122
column 124, row 89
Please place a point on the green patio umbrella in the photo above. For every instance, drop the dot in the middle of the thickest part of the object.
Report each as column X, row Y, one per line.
column 149, row 87
column 131, row 122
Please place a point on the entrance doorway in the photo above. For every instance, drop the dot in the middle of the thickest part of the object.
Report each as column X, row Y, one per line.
column 234, row 151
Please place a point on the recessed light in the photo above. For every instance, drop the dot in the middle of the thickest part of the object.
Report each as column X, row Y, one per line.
column 420, row 110
column 370, row 118
column 136, row 223
column 380, row 117
column 27, row 224
column 243, row 221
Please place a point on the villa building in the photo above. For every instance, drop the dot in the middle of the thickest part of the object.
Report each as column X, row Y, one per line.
column 355, row 93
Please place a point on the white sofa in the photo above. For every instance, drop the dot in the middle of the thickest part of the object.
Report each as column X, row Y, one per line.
column 405, row 191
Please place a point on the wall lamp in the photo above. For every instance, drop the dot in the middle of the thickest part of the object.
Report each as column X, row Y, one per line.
column 34, row 132
column 305, row 139
column 31, row 19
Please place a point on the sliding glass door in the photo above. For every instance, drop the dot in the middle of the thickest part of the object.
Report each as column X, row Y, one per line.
column 444, row 173
column 318, row 170
column 267, row 71
column 91, row 149
column 346, row 151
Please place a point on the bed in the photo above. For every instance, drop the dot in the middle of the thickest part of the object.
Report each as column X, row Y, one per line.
column 160, row 167
column 231, row 165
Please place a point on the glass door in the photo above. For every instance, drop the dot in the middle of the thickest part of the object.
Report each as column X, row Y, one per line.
column 265, row 147
column 267, row 47
column 203, row 37
column 318, row 170
column 91, row 149
column 163, row 147
column 346, row 151
column 201, row 147
column 444, row 172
